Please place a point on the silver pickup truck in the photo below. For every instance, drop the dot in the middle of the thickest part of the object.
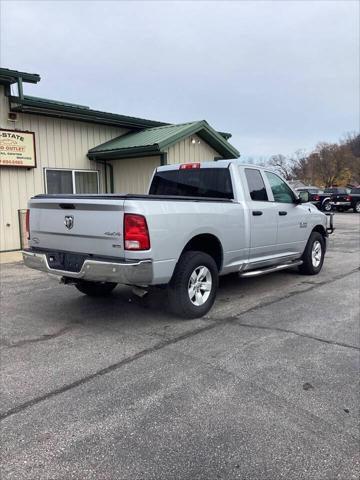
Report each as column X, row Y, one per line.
column 197, row 222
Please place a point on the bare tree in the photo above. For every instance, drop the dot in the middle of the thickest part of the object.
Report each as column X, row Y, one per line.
column 283, row 165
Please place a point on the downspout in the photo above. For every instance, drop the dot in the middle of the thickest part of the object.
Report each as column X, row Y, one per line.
column 105, row 168
column 111, row 168
column 163, row 158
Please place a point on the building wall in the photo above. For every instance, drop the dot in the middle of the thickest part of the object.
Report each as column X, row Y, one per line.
column 132, row 175
column 60, row 143
column 186, row 152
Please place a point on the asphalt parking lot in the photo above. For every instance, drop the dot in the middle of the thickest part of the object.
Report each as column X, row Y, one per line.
column 265, row 387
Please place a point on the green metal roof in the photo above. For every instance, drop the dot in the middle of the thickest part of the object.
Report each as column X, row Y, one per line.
column 55, row 108
column 9, row 77
column 155, row 140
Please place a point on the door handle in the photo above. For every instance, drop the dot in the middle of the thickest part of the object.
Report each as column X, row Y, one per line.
column 282, row 213
column 257, row 213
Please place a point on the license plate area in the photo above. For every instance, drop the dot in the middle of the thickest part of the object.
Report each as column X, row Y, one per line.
column 69, row 262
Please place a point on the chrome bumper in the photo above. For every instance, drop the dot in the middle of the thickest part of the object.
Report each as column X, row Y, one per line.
column 132, row 273
column 341, row 204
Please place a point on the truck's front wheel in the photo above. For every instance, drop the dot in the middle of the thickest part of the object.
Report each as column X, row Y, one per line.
column 95, row 289
column 193, row 287
column 313, row 256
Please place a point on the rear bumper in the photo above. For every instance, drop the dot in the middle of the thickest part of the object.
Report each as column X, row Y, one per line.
column 133, row 273
column 341, row 204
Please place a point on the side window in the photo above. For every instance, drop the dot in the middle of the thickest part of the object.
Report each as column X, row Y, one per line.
column 282, row 193
column 256, row 185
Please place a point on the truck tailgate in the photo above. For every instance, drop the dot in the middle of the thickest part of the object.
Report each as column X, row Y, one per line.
column 89, row 225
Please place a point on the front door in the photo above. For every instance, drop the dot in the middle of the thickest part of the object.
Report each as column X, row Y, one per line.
column 292, row 218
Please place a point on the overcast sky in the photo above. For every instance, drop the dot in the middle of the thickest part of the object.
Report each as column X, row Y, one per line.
column 278, row 75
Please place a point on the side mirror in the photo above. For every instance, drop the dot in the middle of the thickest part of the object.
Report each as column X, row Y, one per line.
column 303, row 197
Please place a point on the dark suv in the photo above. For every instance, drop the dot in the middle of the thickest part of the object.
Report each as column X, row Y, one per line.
column 340, row 198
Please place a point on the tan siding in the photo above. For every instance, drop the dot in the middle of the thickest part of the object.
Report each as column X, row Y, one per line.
column 132, row 175
column 186, row 152
column 59, row 143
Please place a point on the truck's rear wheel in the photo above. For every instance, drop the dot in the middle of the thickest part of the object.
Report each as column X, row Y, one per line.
column 95, row 289
column 193, row 287
column 313, row 256
column 357, row 207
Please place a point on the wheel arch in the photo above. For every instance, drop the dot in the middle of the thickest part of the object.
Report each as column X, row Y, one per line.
column 207, row 243
column 321, row 229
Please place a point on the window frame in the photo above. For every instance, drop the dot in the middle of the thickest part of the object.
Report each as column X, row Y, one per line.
column 73, row 171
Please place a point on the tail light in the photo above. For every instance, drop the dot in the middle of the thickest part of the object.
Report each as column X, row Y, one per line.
column 316, row 198
column 136, row 233
column 348, row 199
column 27, row 223
column 189, row 166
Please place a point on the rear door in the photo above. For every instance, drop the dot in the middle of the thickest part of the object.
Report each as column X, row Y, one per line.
column 89, row 225
column 292, row 219
column 263, row 217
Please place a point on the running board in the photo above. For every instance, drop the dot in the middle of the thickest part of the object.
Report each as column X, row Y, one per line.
column 264, row 271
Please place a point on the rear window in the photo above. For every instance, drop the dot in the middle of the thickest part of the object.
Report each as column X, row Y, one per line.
column 338, row 191
column 197, row 182
column 355, row 190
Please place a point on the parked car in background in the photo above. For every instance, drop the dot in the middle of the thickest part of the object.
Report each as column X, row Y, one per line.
column 355, row 199
column 314, row 195
column 322, row 199
column 339, row 198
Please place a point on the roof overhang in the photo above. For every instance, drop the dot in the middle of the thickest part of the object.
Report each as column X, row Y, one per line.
column 70, row 111
column 202, row 129
column 8, row 77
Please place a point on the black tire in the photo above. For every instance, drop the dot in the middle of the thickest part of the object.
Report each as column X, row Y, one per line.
column 327, row 207
column 178, row 288
column 95, row 289
column 357, row 207
column 308, row 267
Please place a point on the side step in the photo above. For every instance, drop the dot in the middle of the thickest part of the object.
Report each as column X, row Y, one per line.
column 264, row 271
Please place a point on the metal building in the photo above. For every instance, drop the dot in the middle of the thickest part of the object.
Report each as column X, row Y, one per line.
column 47, row 146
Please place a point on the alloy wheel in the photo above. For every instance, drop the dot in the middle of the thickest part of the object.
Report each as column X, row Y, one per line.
column 200, row 285
column 316, row 253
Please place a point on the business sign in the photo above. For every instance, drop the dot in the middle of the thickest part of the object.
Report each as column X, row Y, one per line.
column 17, row 149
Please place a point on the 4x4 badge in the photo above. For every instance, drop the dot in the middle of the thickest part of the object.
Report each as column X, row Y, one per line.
column 69, row 221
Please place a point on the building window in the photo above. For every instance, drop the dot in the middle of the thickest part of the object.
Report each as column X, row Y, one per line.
column 71, row 181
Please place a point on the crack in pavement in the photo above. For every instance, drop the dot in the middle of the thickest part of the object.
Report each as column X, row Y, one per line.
column 299, row 334
column 162, row 344
column 42, row 338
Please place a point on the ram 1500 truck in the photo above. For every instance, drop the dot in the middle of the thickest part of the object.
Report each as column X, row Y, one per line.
column 197, row 222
